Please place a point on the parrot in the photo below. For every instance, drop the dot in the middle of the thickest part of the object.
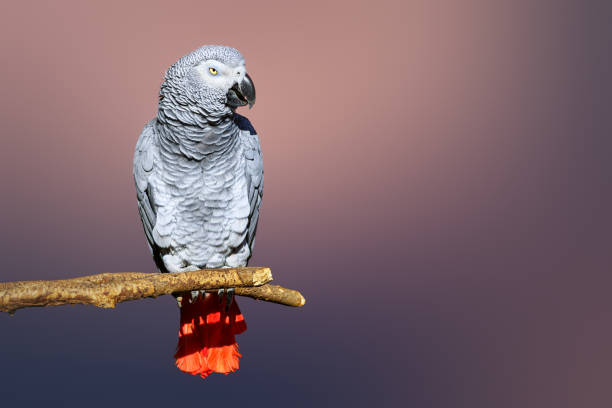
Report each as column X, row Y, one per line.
column 198, row 172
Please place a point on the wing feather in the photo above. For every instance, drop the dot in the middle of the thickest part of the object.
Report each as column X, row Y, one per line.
column 144, row 164
column 254, row 173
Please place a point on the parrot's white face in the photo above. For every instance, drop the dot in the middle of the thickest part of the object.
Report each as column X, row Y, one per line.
column 212, row 77
column 216, row 74
column 231, row 80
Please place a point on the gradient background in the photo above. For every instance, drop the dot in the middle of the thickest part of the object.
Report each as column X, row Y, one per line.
column 438, row 185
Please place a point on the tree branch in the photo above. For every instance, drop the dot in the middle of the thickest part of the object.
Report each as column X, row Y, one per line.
column 108, row 289
column 273, row 293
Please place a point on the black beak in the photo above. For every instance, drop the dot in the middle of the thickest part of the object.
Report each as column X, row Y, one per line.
column 242, row 93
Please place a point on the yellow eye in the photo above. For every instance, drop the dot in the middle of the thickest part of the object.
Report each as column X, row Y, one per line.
column 212, row 71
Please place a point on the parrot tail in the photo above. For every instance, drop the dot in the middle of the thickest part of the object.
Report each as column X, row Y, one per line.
column 206, row 335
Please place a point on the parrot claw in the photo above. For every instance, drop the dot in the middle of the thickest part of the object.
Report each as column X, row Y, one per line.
column 230, row 298
column 197, row 295
column 229, row 294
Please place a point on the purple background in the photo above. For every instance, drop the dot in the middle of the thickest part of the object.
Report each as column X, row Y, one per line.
column 438, row 185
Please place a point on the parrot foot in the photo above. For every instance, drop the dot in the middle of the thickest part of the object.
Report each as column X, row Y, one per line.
column 229, row 293
column 196, row 295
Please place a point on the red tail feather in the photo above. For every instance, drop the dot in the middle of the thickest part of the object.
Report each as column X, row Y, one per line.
column 206, row 336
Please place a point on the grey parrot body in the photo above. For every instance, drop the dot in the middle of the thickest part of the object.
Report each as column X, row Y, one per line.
column 198, row 167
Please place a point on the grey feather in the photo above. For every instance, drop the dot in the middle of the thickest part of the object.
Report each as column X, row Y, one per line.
column 198, row 172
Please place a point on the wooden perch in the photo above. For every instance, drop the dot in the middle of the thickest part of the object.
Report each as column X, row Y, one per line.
column 108, row 289
column 273, row 293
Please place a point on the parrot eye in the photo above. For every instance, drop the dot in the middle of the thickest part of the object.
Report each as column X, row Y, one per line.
column 212, row 71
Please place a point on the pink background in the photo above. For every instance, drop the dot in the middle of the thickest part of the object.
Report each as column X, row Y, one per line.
column 437, row 185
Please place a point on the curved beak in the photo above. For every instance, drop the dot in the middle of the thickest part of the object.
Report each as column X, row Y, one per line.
column 242, row 93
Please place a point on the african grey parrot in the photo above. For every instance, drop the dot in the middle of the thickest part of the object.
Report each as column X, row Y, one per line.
column 199, row 177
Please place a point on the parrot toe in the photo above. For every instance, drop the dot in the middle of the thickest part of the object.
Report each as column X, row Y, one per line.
column 230, row 298
column 197, row 295
column 229, row 295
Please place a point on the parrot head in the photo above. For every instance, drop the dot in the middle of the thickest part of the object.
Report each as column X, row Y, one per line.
column 212, row 78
